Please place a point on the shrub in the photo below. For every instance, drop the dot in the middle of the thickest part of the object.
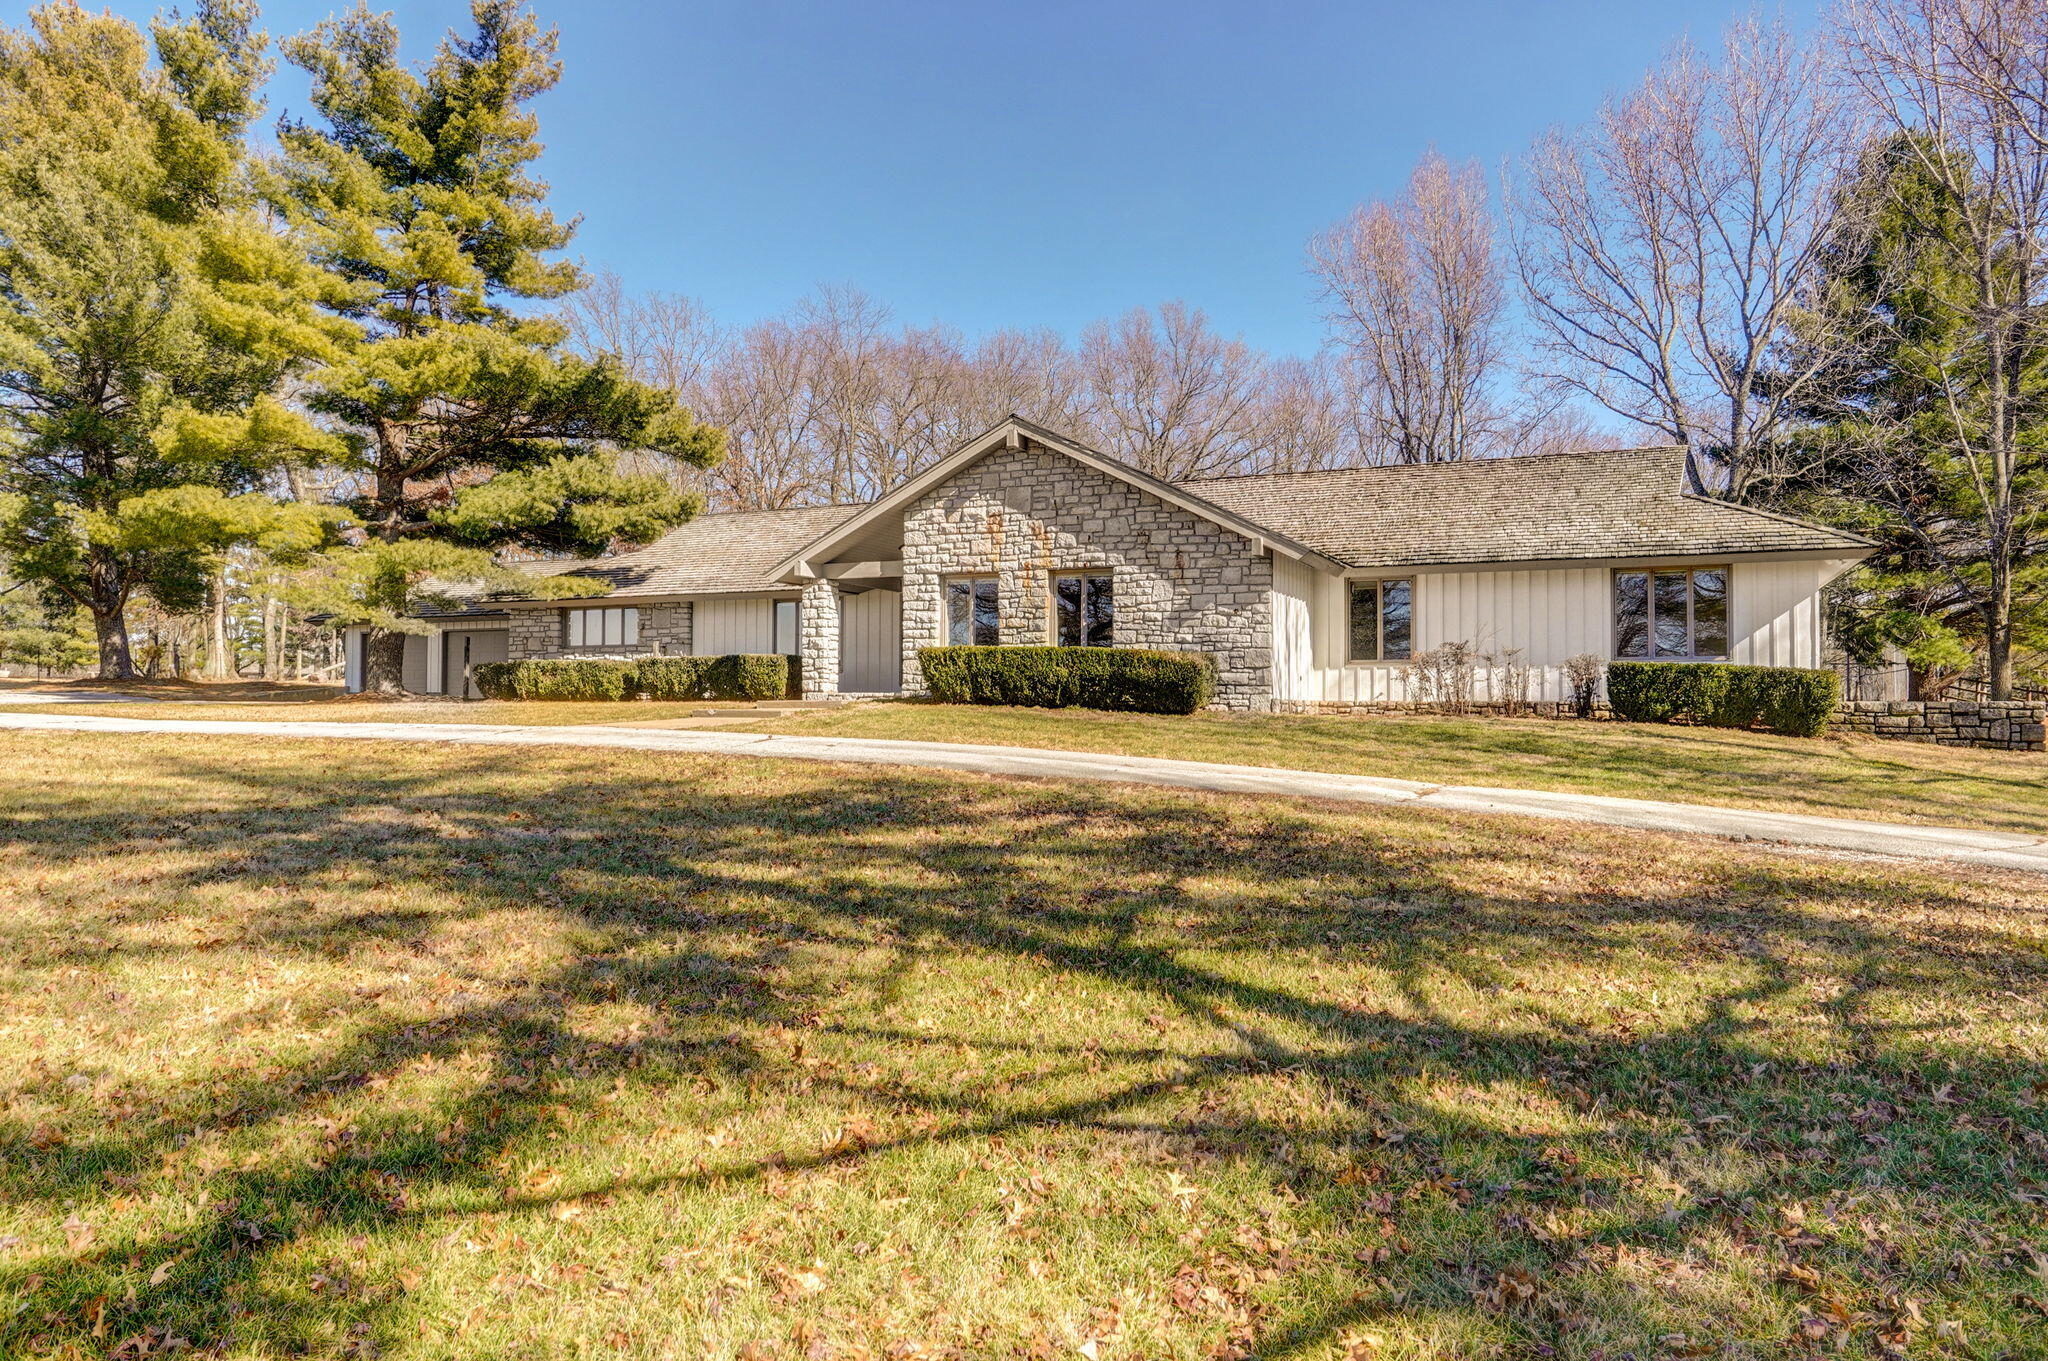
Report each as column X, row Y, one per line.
column 1787, row 700
column 564, row 678
column 669, row 677
column 1797, row 703
column 749, row 675
column 1132, row 680
column 734, row 676
column 1584, row 670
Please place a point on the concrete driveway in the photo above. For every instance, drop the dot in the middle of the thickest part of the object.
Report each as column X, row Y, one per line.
column 1998, row 850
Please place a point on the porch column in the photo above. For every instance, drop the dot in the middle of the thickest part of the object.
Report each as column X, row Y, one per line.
column 818, row 639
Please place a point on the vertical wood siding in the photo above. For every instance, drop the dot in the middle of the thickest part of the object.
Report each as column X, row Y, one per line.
column 870, row 642
column 412, row 671
column 736, row 623
column 1549, row 614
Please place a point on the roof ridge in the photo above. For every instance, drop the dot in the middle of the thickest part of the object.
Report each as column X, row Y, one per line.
column 1497, row 461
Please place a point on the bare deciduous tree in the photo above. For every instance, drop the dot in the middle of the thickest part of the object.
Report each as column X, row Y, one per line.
column 1169, row 394
column 1417, row 300
column 1967, row 82
column 1664, row 248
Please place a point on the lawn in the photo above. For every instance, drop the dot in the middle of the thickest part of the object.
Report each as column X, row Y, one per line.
column 340, row 1049
column 1847, row 776
column 1838, row 776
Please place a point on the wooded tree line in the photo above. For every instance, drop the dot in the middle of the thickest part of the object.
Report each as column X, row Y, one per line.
column 357, row 364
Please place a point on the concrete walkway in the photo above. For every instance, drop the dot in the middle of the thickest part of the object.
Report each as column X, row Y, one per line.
column 1999, row 850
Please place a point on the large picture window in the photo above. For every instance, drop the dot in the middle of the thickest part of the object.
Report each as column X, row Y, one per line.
column 1672, row 613
column 1382, row 621
column 972, row 619
column 614, row 626
column 1084, row 609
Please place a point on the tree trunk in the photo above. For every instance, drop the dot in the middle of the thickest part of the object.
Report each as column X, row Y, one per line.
column 218, row 665
column 110, row 616
column 272, row 641
column 383, row 662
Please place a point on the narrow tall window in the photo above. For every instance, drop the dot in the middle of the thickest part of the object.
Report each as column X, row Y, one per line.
column 1084, row 609
column 1382, row 621
column 1677, row 613
column 786, row 627
column 614, row 626
column 972, row 619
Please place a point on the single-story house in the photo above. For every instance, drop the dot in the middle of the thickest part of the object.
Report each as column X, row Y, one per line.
column 1311, row 590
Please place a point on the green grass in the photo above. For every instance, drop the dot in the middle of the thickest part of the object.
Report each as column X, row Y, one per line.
column 522, row 713
column 1835, row 776
column 1853, row 777
column 345, row 1049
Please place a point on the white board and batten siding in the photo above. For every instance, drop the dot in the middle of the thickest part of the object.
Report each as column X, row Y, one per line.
column 870, row 642
column 724, row 624
column 1548, row 613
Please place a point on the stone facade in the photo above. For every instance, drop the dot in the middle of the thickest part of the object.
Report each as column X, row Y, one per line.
column 1021, row 514
column 538, row 633
column 2008, row 725
column 818, row 639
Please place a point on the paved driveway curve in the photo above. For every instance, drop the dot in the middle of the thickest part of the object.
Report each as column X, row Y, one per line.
column 1999, row 850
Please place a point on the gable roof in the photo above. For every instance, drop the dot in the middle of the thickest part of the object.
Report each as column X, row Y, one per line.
column 725, row 554
column 1010, row 433
column 1610, row 503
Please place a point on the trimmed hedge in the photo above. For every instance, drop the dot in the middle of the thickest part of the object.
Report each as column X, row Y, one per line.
column 736, row 675
column 1128, row 679
column 558, row 679
column 733, row 676
column 1783, row 699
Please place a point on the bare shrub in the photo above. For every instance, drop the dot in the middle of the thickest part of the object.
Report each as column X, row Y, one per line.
column 1444, row 676
column 1511, row 682
column 1584, row 671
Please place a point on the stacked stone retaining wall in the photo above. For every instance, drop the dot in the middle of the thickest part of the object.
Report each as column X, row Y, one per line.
column 2001, row 725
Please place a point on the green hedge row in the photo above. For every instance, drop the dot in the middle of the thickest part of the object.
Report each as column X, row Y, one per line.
column 1788, row 700
column 734, row 676
column 1130, row 679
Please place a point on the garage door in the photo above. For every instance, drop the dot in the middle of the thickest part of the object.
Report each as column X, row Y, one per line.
column 467, row 648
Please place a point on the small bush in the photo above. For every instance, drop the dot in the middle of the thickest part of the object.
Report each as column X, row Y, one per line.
column 735, row 676
column 564, row 678
column 1787, row 700
column 749, row 675
column 1130, row 680
column 1797, row 703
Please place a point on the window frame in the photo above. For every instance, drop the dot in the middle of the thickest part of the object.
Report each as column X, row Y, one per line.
column 1084, row 575
column 795, row 627
column 575, row 619
column 1379, row 585
column 972, row 580
column 1650, row 573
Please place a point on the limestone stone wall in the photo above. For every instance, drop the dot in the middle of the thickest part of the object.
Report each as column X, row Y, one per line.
column 818, row 630
column 537, row 633
column 2003, row 725
column 1021, row 514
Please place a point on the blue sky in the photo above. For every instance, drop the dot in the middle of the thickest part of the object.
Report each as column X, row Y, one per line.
column 1043, row 163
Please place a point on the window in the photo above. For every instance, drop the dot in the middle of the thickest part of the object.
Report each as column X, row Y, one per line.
column 1084, row 609
column 785, row 627
column 1671, row 613
column 971, row 615
column 614, row 627
column 1382, row 621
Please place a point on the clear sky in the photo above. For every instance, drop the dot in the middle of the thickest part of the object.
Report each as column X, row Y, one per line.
column 1038, row 163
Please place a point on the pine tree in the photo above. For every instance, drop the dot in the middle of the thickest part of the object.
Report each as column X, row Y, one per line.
column 146, row 309
column 1890, row 448
column 470, row 427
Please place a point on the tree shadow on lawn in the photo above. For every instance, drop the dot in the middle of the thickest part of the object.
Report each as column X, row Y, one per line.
column 1458, row 1150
